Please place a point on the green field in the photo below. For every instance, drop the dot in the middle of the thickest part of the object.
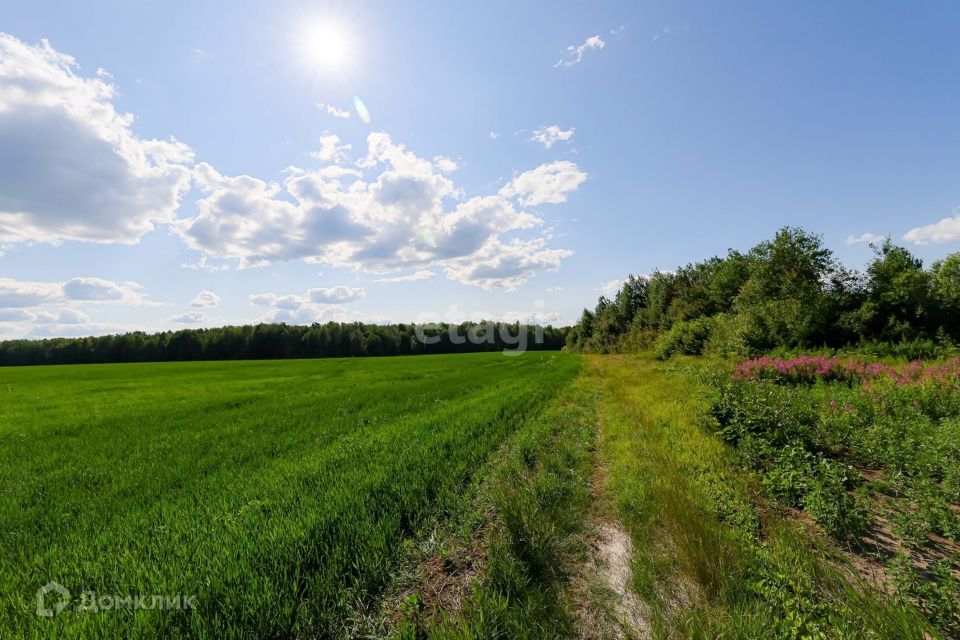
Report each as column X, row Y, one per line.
column 550, row 495
column 277, row 493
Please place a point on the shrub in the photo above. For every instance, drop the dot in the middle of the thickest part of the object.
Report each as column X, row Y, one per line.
column 686, row 337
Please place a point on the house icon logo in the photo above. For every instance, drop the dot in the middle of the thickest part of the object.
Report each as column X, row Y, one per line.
column 52, row 598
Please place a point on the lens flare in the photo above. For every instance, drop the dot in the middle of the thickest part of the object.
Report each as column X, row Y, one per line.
column 362, row 112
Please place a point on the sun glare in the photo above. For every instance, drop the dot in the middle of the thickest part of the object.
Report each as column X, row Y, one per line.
column 327, row 45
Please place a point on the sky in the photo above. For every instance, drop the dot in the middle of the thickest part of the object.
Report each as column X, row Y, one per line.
column 171, row 164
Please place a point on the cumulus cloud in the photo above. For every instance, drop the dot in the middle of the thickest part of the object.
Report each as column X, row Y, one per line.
column 390, row 210
column 318, row 305
column 65, row 315
column 340, row 294
column 548, row 136
column 866, row 238
column 333, row 110
column 20, row 294
column 423, row 274
column 445, row 165
column 336, row 295
column 506, row 266
column 191, row 317
column 330, row 149
column 73, row 167
column 547, row 184
column 205, row 299
column 946, row 230
column 24, row 294
column 575, row 52
column 610, row 288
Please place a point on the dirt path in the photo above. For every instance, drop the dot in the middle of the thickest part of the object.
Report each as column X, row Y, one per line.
column 611, row 609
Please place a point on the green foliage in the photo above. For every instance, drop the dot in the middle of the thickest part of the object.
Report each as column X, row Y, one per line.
column 804, row 438
column 279, row 493
column 938, row 595
column 275, row 341
column 785, row 293
column 686, row 337
column 709, row 558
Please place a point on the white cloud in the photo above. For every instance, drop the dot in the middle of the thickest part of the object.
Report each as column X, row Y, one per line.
column 390, row 210
column 330, row 149
column 423, row 274
column 16, row 315
column 506, row 266
column 205, row 299
column 946, row 230
column 191, row 317
column 24, row 294
column 340, row 294
column 493, row 135
column 542, row 318
column 445, row 165
column 307, row 314
column 548, row 136
column 866, row 238
column 74, row 169
column 55, row 330
column 575, row 53
column 318, row 305
column 203, row 265
column 64, row 315
column 20, row 294
column 333, row 111
column 548, row 183
column 98, row 289
column 610, row 288
column 336, row 295
column 290, row 302
column 554, row 289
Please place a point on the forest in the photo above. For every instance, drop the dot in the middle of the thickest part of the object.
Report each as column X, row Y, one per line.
column 277, row 341
column 786, row 293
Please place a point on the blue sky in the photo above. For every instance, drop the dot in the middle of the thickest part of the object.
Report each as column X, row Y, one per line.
column 518, row 157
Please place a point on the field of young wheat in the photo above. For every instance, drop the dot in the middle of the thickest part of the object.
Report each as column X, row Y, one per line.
column 271, row 497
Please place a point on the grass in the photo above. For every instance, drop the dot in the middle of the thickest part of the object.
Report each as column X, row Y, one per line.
column 277, row 493
column 870, row 451
column 530, row 514
column 340, row 498
column 711, row 557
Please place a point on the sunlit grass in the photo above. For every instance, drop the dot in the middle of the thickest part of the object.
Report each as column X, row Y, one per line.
column 709, row 557
column 276, row 492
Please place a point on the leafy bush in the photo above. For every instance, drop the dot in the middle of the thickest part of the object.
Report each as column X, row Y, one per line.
column 686, row 338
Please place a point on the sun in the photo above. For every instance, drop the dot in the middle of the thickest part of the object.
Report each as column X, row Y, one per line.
column 327, row 45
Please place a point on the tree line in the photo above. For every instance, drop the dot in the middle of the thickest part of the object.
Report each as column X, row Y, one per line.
column 785, row 293
column 268, row 341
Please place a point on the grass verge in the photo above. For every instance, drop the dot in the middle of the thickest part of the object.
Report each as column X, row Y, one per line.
column 711, row 558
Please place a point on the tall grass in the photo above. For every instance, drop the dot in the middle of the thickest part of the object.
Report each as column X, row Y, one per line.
column 710, row 558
